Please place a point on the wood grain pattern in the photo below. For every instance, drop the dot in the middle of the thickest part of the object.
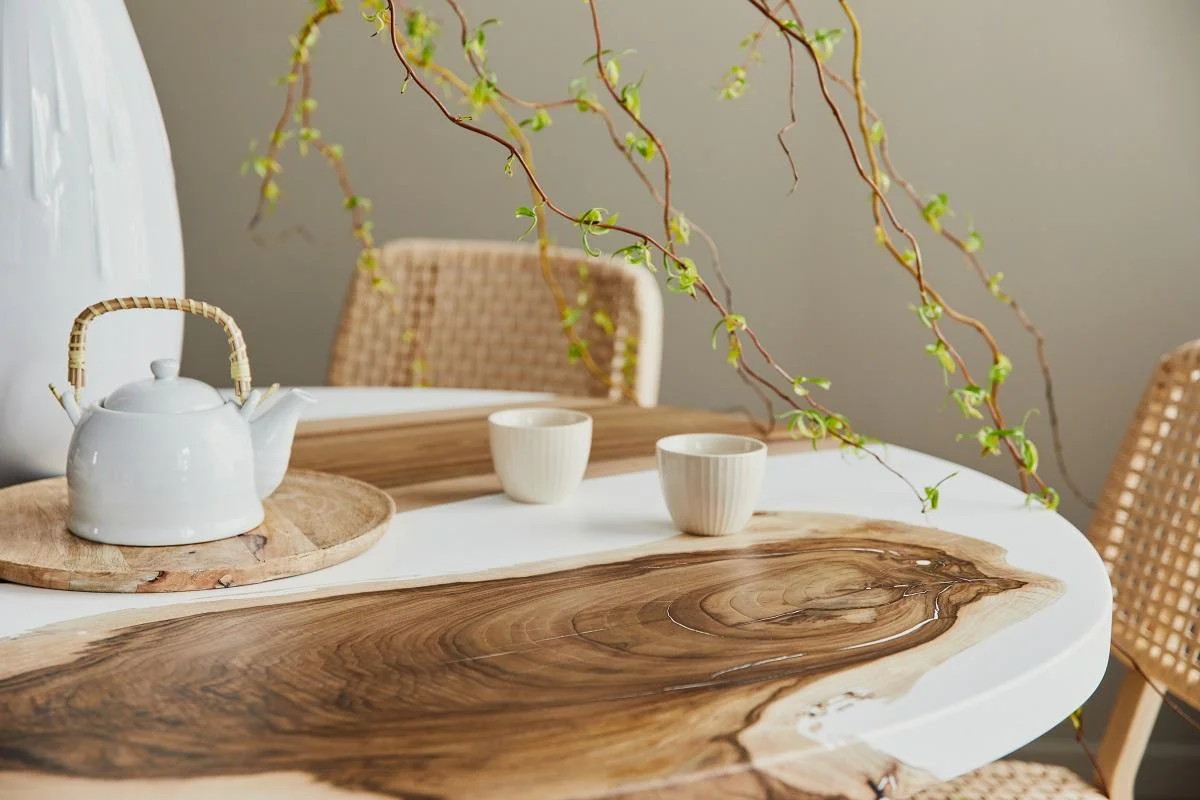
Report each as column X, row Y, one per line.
column 400, row 451
column 313, row 520
column 689, row 666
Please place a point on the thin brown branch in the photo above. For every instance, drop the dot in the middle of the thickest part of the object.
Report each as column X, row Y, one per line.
column 525, row 153
column 881, row 207
column 791, row 51
column 292, row 78
column 985, row 278
column 637, row 120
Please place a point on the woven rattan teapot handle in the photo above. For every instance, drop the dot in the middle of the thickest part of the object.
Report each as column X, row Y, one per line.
column 239, row 362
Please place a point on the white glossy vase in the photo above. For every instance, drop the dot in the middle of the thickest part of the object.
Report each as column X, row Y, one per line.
column 87, row 212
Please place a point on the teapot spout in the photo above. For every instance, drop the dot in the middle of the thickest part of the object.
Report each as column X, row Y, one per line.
column 271, row 430
column 67, row 401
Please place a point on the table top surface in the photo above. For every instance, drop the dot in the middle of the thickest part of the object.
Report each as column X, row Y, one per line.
column 518, row 636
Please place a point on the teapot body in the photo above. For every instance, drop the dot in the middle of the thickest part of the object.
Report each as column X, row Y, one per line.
column 161, row 479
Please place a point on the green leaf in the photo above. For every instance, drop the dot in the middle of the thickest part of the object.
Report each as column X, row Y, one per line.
column 928, row 313
column 570, row 316
column 969, row 398
column 800, row 384
column 937, row 207
column 1029, row 454
column 603, row 321
column 593, row 223
column 508, row 165
column 993, row 285
column 584, row 99
column 483, row 91
column 735, row 83
column 681, row 229
column 530, row 214
column 637, row 254
column 1049, row 498
column 631, row 98
column 806, row 423
column 575, row 351
column 539, row 121
column 735, row 351
column 908, row 257
column 376, row 11
column 875, row 134
column 682, row 275
column 942, row 353
column 422, row 32
column 358, row 201
column 989, row 439
column 933, row 494
column 642, row 145
column 368, row 259
column 731, row 323
column 612, row 71
column 476, row 44
column 974, row 242
column 1000, row 370
column 262, row 165
column 823, row 41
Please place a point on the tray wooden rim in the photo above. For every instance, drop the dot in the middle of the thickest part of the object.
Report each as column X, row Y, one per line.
column 145, row 578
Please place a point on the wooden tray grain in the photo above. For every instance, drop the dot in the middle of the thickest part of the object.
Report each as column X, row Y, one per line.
column 313, row 520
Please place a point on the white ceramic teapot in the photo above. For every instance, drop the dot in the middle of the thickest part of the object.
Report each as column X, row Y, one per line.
column 168, row 461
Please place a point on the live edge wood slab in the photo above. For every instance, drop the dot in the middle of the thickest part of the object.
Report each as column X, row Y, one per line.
column 689, row 667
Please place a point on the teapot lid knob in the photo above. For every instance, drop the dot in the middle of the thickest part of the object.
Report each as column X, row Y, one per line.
column 164, row 368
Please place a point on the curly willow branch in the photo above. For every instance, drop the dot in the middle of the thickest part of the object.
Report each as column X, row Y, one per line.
column 520, row 152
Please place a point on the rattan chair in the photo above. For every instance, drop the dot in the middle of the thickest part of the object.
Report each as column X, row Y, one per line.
column 479, row 315
column 1147, row 530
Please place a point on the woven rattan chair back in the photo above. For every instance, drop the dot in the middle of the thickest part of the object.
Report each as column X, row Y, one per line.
column 1147, row 528
column 480, row 315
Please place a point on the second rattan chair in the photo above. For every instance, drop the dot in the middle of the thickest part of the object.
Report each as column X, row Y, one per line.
column 480, row 315
column 1147, row 530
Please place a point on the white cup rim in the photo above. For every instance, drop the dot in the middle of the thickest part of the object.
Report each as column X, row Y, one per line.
column 674, row 445
column 538, row 418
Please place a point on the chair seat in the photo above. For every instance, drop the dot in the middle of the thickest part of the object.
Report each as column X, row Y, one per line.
column 1014, row 780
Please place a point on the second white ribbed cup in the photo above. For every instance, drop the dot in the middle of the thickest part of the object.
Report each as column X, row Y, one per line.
column 540, row 454
column 711, row 481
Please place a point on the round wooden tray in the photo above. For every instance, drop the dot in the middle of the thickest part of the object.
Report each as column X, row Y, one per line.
column 313, row 520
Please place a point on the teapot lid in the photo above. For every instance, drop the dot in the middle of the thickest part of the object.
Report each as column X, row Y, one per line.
column 165, row 393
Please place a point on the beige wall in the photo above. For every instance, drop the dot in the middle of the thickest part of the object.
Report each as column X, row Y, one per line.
column 1067, row 130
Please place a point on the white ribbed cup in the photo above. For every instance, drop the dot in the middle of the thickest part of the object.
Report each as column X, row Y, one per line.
column 540, row 454
column 711, row 481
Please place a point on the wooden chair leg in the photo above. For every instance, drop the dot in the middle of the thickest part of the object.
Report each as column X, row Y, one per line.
column 1127, row 733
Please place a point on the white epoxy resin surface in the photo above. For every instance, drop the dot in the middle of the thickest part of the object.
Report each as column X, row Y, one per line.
column 337, row 402
column 976, row 706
